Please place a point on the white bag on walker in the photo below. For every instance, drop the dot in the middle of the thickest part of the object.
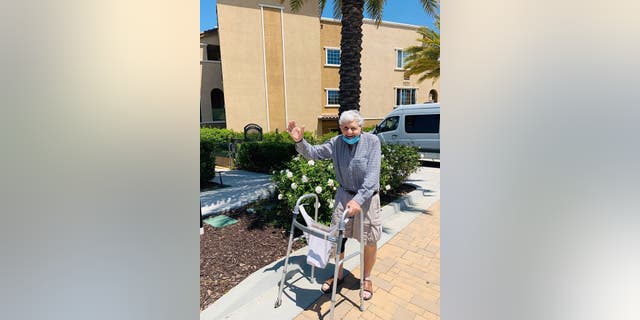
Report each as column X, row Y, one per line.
column 319, row 248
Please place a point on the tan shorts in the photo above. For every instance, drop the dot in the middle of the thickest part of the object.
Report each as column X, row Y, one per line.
column 370, row 212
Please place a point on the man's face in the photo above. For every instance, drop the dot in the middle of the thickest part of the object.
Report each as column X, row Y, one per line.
column 350, row 129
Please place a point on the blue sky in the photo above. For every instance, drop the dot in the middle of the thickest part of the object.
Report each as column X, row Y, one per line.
column 405, row 11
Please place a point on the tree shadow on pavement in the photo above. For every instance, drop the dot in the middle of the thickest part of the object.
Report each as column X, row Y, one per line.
column 350, row 283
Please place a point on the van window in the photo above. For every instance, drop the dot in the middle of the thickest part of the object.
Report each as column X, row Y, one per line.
column 388, row 124
column 429, row 123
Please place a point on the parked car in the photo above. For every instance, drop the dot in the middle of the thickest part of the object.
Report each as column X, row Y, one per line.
column 413, row 125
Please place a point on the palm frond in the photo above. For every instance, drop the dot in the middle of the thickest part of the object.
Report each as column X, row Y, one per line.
column 321, row 5
column 431, row 7
column 295, row 4
column 337, row 9
column 374, row 9
column 424, row 59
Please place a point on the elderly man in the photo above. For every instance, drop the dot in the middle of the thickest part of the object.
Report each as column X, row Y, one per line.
column 356, row 158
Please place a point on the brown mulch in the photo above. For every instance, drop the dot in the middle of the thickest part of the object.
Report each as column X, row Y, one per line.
column 230, row 254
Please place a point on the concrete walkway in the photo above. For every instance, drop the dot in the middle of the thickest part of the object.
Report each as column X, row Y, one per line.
column 243, row 188
column 255, row 296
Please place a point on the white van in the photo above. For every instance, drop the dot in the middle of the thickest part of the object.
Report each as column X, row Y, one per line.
column 413, row 125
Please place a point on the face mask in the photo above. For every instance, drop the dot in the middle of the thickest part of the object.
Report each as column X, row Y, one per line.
column 352, row 140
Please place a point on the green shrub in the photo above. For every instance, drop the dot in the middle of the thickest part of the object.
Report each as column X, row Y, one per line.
column 327, row 136
column 264, row 156
column 218, row 135
column 307, row 176
column 369, row 128
column 398, row 162
column 218, row 139
column 207, row 161
column 277, row 137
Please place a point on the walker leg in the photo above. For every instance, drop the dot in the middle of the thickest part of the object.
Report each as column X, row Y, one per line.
column 284, row 268
column 362, row 240
column 335, row 275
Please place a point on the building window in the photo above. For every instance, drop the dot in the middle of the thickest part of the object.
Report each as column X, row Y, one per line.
column 333, row 97
column 405, row 96
column 401, row 56
column 422, row 123
column 213, row 52
column 217, row 105
column 332, row 57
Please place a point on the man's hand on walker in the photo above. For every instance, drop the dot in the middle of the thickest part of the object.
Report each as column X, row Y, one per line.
column 355, row 208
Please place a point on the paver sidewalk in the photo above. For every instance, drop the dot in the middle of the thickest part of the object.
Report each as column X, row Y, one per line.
column 406, row 278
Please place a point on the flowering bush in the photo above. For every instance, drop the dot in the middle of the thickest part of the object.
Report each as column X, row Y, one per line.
column 398, row 162
column 304, row 176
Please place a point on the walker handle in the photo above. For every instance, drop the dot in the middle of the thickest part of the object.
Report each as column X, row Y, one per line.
column 306, row 196
column 344, row 219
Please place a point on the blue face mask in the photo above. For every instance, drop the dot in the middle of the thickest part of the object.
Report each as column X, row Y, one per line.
column 352, row 140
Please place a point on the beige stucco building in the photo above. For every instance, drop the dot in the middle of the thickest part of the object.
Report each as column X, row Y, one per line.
column 277, row 66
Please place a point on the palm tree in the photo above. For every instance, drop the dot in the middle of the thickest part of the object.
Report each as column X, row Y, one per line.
column 351, row 12
column 425, row 58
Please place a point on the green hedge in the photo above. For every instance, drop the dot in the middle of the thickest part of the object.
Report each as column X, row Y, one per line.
column 207, row 161
column 285, row 137
column 263, row 156
column 213, row 142
column 218, row 135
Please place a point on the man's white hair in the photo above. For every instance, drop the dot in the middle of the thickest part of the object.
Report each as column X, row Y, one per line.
column 349, row 116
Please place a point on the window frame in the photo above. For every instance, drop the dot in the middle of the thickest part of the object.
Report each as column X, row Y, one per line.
column 326, row 57
column 326, row 95
column 206, row 52
column 414, row 95
column 404, row 56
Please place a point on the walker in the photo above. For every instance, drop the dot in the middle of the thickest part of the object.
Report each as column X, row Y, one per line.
column 334, row 235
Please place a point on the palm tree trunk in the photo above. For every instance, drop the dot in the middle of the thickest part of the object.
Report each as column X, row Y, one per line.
column 350, row 48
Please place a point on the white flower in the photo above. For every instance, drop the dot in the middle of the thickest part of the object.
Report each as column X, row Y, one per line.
column 282, row 171
column 330, row 203
column 311, row 162
column 330, row 182
column 318, row 189
column 387, row 187
column 280, row 196
column 297, row 158
column 304, row 179
column 289, row 174
column 382, row 156
column 294, row 186
column 334, row 189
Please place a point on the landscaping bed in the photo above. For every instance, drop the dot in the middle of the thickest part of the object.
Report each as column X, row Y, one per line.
column 228, row 255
